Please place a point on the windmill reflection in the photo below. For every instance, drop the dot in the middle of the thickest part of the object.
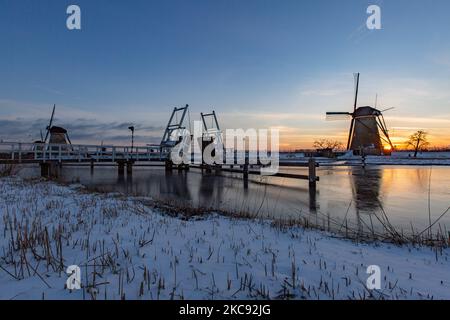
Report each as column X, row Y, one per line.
column 366, row 185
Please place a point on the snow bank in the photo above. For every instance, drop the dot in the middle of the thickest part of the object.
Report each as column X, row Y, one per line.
column 397, row 158
column 126, row 249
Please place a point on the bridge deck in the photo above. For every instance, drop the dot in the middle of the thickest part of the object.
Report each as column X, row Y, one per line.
column 15, row 152
column 29, row 153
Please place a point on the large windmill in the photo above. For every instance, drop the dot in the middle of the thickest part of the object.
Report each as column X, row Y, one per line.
column 368, row 132
column 54, row 134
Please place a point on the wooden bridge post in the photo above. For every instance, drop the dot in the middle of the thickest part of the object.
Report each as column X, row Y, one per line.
column 121, row 168
column 129, row 167
column 55, row 169
column 50, row 169
column 45, row 169
column 168, row 165
column 20, row 153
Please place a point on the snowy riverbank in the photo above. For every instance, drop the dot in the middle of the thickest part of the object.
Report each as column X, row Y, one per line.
column 128, row 250
column 402, row 158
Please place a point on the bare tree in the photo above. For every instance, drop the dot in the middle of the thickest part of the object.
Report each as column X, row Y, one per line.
column 418, row 141
column 323, row 144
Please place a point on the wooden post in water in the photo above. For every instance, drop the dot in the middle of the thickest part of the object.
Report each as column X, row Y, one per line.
column 245, row 173
column 169, row 165
column 312, row 184
column 312, row 172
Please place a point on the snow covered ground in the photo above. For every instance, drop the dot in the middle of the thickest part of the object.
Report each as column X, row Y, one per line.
column 397, row 158
column 126, row 248
column 403, row 158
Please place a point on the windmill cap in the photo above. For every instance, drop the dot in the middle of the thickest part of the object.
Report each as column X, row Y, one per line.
column 55, row 129
column 366, row 111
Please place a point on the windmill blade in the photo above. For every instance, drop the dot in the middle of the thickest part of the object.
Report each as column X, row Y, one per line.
column 350, row 134
column 68, row 139
column 50, row 123
column 356, row 75
column 355, row 104
column 338, row 113
column 51, row 118
column 386, row 132
column 338, row 116
column 388, row 109
column 384, row 123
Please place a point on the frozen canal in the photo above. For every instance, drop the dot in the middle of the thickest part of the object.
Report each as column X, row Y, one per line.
column 347, row 197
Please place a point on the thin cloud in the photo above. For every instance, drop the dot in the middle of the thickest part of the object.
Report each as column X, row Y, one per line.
column 86, row 131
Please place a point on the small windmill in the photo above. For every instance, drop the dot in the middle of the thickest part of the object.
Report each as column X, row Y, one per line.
column 365, row 127
column 58, row 135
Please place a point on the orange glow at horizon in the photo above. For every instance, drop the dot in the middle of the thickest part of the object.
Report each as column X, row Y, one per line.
column 291, row 142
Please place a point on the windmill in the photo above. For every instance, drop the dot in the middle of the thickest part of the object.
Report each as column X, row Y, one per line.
column 368, row 131
column 58, row 135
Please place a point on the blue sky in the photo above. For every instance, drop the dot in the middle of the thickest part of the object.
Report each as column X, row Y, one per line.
column 257, row 63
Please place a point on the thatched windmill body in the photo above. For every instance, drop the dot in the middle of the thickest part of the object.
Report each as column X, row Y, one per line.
column 368, row 133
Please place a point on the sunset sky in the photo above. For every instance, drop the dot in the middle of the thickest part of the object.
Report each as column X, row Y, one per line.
column 258, row 63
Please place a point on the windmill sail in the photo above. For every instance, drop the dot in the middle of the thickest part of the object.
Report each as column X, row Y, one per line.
column 352, row 124
column 338, row 116
column 50, row 123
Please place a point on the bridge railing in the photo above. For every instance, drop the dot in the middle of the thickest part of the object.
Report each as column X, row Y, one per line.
column 26, row 152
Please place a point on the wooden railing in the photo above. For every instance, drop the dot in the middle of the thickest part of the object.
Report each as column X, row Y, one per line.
column 38, row 152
